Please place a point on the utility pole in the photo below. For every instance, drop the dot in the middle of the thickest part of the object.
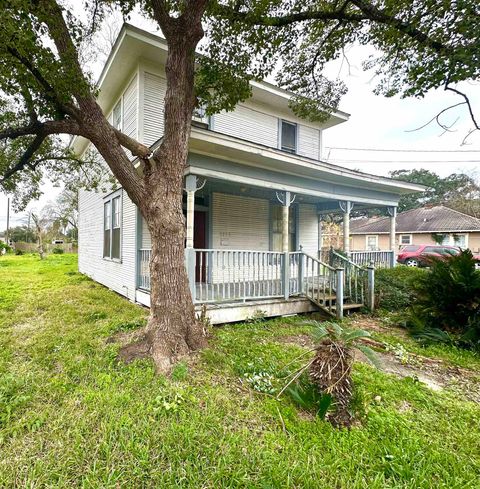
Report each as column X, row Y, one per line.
column 8, row 222
column 28, row 228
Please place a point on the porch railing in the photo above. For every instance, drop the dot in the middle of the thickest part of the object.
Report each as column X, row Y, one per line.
column 380, row 259
column 230, row 275
column 239, row 275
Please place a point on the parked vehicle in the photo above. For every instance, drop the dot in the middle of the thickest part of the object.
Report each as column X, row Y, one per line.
column 419, row 255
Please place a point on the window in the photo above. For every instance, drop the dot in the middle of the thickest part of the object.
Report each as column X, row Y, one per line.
column 460, row 240
column 405, row 239
column 200, row 116
column 288, row 136
column 372, row 242
column 277, row 228
column 112, row 227
column 117, row 116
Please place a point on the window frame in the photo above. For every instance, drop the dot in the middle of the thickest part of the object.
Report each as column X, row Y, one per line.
column 109, row 200
column 293, row 218
column 410, row 239
column 280, row 136
column 366, row 242
column 120, row 105
column 453, row 243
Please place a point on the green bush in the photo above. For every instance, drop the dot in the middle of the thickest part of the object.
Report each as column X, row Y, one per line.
column 57, row 251
column 448, row 300
column 19, row 252
column 394, row 287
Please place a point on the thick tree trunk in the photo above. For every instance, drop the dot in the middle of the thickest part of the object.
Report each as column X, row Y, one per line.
column 172, row 329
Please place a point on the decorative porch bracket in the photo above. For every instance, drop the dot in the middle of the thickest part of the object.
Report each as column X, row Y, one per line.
column 286, row 199
column 346, row 207
column 192, row 184
column 392, row 212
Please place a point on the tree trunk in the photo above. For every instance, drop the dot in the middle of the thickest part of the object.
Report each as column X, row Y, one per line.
column 172, row 330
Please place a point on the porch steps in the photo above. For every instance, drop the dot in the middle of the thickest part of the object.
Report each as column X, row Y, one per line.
column 327, row 303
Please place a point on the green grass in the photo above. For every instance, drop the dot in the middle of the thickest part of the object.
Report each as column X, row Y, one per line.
column 71, row 415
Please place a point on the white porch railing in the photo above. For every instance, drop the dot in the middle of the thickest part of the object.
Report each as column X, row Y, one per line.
column 218, row 276
column 230, row 275
column 380, row 259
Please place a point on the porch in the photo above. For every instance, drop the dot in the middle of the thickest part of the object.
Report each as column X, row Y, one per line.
column 254, row 239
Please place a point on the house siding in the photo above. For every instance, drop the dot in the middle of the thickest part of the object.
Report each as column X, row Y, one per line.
column 130, row 108
column 118, row 276
column 309, row 142
column 308, row 229
column 153, row 101
column 359, row 240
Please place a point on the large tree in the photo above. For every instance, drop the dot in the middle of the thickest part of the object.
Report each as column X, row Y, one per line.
column 46, row 92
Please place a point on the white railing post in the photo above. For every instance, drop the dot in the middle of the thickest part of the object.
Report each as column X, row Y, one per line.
column 190, row 262
column 339, row 293
column 286, row 275
column 301, row 258
column 371, row 286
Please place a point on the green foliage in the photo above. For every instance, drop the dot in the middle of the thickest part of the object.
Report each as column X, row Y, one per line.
column 19, row 252
column 58, row 251
column 453, row 190
column 22, row 233
column 78, row 417
column 307, row 396
column 448, row 300
column 394, row 287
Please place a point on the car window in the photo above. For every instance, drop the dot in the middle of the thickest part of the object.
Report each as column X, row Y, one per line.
column 410, row 248
column 432, row 249
column 450, row 251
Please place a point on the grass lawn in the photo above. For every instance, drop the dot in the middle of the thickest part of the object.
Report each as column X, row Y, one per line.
column 71, row 415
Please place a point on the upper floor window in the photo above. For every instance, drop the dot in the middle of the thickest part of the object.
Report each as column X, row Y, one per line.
column 200, row 116
column 112, row 227
column 288, row 136
column 117, row 116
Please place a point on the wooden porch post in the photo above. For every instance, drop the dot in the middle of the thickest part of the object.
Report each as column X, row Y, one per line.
column 346, row 207
column 190, row 262
column 285, row 223
column 392, row 212
column 285, row 199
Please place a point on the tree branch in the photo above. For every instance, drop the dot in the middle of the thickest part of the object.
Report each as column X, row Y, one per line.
column 64, row 126
column 467, row 102
column 136, row 148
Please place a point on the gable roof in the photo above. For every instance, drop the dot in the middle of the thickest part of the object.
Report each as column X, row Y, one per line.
column 423, row 220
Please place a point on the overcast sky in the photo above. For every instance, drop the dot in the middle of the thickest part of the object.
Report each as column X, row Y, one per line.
column 375, row 123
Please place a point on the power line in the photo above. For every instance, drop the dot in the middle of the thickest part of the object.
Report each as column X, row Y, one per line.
column 334, row 160
column 407, row 150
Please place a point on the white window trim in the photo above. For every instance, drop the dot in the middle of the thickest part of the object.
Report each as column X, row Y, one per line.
column 410, row 240
column 109, row 199
column 366, row 241
column 280, row 122
column 452, row 239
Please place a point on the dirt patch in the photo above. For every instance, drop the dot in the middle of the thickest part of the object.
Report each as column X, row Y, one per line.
column 133, row 345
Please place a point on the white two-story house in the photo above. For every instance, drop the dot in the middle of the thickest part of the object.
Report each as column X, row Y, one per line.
column 255, row 192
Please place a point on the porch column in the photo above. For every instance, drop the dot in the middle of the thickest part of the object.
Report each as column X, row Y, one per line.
column 190, row 188
column 285, row 223
column 392, row 212
column 346, row 207
column 285, row 199
column 319, row 236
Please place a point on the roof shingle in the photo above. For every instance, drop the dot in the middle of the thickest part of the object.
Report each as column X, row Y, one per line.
column 423, row 220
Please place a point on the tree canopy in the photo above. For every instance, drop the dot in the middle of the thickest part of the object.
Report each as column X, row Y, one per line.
column 422, row 45
column 458, row 190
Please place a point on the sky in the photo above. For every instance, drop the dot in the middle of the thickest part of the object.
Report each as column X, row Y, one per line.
column 376, row 123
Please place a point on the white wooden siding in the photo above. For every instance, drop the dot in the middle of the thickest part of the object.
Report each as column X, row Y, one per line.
column 154, row 95
column 145, row 238
column 118, row 276
column 247, row 123
column 239, row 223
column 308, row 229
column 308, row 142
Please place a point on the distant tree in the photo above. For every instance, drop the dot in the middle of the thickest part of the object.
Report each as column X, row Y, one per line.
column 41, row 222
column 22, row 233
column 64, row 212
column 458, row 190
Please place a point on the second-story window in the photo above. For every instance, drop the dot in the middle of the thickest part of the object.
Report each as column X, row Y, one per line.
column 288, row 136
column 117, row 116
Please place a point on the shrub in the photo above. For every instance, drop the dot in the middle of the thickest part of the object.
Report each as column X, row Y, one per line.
column 448, row 300
column 19, row 252
column 394, row 287
column 57, row 251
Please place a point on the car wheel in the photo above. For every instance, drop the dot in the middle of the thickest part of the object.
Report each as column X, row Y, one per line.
column 412, row 262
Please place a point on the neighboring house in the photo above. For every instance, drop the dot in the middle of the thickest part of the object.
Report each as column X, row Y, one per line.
column 256, row 189
column 426, row 225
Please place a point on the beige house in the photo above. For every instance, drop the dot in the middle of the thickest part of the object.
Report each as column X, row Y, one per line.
column 427, row 225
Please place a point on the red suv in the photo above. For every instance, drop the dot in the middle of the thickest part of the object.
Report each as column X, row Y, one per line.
column 418, row 255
